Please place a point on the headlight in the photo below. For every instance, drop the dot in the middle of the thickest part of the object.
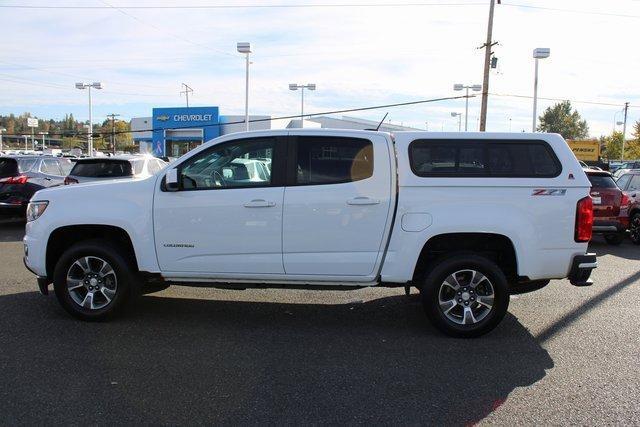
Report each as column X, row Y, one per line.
column 35, row 210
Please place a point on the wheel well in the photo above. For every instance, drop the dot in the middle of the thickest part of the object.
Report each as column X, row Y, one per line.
column 64, row 237
column 496, row 247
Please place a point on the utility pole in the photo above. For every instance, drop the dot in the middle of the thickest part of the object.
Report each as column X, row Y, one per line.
column 624, row 128
column 186, row 91
column 113, row 130
column 487, row 63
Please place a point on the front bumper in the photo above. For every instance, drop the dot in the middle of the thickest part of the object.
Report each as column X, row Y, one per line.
column 581, row 268
column 43, row 282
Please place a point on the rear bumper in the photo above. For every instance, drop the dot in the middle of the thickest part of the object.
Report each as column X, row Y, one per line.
column 610, row 225
column 581, row 268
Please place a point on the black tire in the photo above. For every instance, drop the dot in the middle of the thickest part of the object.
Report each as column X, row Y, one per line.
column 444, row 268
column 614, row 238
column 634, row 229
column 122, row 271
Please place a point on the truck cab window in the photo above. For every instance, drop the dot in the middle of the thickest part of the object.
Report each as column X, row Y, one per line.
column 238, row 164
column 333, row 160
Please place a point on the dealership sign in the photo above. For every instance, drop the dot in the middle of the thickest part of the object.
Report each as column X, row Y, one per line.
column 32, row 123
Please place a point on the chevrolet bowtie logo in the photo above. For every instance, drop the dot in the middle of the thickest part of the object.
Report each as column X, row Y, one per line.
column 163, row 118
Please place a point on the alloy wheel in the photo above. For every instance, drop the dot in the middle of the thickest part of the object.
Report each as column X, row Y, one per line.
column 91, row 282
column 466, row 297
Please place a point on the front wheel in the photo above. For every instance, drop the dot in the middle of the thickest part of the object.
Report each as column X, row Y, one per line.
column 465, row 295
column 92, row 281
column 634, row 229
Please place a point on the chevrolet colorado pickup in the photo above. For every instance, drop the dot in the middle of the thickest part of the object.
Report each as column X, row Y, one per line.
column 467, row 218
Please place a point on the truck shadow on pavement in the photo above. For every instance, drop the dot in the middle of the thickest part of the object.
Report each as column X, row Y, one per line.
column 626, row 250
column 187, row 361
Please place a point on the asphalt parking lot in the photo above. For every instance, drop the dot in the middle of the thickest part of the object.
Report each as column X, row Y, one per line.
column 563, row 355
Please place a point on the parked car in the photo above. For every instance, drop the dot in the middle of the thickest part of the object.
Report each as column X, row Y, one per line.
column 107, row 168
column 626, row 167
column 629, row 182
column 610, row 207
column 22, row 176
column 466, row 218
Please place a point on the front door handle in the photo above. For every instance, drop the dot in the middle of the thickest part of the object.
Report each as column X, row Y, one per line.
column 259, row 203
column 360, row 201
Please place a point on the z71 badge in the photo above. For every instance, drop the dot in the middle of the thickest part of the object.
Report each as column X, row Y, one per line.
column 549, row 192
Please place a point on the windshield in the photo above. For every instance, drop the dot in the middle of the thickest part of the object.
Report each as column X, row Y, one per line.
column 8, row 167
column 102, row 169
column 602, row 181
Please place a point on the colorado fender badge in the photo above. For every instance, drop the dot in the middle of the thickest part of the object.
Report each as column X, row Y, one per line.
column 549, row 192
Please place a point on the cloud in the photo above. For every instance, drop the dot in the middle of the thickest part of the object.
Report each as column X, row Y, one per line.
column 356, row 56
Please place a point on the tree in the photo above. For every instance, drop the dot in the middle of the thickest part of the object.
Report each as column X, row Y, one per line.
column 562, row 119
column 612, row 145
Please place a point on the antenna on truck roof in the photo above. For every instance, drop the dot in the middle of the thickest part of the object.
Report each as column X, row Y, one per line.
column 381, row 121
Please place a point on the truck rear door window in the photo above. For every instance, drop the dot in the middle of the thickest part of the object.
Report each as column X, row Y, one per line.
column 332, row 160
column 463, row 158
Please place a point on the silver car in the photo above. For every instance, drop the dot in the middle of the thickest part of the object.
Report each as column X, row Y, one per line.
column 117, row 167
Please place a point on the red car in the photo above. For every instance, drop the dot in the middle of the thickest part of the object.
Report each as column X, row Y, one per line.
column 630, row 184
column 610, row 207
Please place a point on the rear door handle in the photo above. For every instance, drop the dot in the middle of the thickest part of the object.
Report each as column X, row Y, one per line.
column 360, row 201
column 259, row 203
column 47, row 179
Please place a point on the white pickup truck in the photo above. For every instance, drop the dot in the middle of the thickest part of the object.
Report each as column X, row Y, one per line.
column 467, row 218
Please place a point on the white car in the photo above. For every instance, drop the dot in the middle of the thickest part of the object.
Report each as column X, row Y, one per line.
column 118, row 167
column 466, row 218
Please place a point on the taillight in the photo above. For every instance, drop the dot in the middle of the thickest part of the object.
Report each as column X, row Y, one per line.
column 20, row 179
column 624, row 202
column 584, row 220
column 68, row 181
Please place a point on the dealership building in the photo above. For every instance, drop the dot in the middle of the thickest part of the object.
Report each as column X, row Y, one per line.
column 171, row 132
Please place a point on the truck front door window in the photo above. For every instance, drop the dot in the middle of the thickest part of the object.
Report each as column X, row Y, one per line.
column 232, row 165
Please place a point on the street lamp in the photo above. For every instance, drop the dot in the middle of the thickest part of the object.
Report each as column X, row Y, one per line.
column 82, row 86
column 459, row 116
column 245, row 47
column 295, row 86
column 43, row 136
column 1, row 130
column 538, row 53
column 475, row 88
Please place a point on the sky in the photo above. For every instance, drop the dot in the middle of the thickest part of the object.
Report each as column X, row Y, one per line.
column 359, row 53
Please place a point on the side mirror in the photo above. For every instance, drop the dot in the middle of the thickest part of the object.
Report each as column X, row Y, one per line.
column 171, row 180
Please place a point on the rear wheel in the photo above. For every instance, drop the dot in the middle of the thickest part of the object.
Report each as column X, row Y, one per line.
column 92, row 281
column 634, row 229
column 614, row 238
column 465, row 295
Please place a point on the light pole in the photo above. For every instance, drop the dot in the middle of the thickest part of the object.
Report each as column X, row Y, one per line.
column 538, row 53
column 82, row 86
column 26, row 139
column 475, row 88
column 459, row 116
column 624, row 128
column 295, row 86
column 43, row 136
column 244, row 47
column 1, row 130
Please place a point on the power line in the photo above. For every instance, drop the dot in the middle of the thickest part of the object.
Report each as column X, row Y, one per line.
column 608, row 104
column 162, row 30
column 325, row 113
column 250, row 6
column 584, row 12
